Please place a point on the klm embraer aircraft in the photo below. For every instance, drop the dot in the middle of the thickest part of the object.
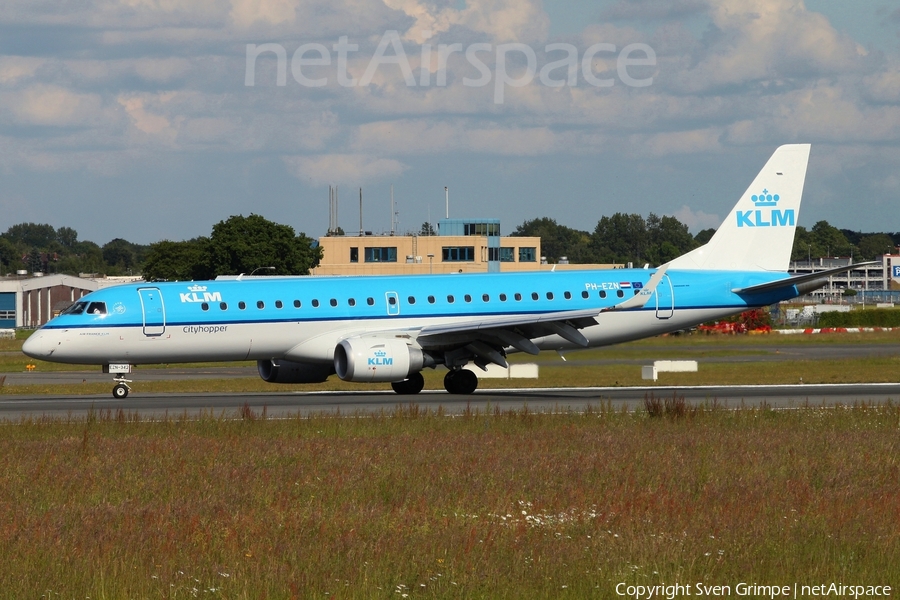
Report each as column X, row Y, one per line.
column 387, row 329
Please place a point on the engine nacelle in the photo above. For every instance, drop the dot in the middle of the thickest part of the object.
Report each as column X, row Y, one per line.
column 285, row 371
column 374, row 359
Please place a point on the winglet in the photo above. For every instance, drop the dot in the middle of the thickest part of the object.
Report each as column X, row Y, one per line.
column 641, row 298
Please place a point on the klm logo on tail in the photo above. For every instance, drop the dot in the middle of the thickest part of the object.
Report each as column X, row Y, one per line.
column 765, row 214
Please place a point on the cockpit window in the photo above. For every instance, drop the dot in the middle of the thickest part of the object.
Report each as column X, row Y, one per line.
column 75, row 309
column 96, row 308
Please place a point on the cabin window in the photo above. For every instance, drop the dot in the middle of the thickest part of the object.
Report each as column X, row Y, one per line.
column 411, row 299
column 451, row 299
column 223, row 305
column 430, row 299
column 279, row 304
column 260, row 304
column 467, row 298
column 204, row 306
column 602, row 294
column 370, row 301
column 242, row 305
column 315, row 303
column 568, row 295
column 296, row 304
column 549, row 295
column 333, row 302
column 485, row 298
column 502, row 297
column 518, row 297
column 585, row 294
column 620, row 293
column 98, row 308
column 75, row 309
column 534, row 295
column 351, row 301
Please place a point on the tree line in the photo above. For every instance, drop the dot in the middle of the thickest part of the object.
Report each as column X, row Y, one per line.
column 630, row 238
column 237, row 245
column 242, row 244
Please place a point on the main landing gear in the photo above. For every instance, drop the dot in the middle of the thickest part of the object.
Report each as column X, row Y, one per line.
column 460, row 381
column 456, row 381
column 413, row 385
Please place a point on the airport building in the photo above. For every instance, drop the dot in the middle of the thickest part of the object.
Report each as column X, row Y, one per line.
column 459, row 246
column 32, row 301
column 877, row 283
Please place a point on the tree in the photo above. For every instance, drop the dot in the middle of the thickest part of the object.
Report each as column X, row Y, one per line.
column 875, row 245
column 242, row 244
column 704, row 236
column 668, row 239
column 427, row 229
column 8, row 254
column 558, row 240
column 178, row 261
column 119, row 253
column 67, row 237
column 621, row 238
column 32, row 235
column 830, row 239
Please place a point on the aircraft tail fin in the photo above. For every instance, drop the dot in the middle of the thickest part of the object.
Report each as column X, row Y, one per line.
column 758, row 234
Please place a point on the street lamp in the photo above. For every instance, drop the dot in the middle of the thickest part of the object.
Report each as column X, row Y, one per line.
column 431, row 264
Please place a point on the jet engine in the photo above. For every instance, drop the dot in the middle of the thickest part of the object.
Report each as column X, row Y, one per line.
column 374, row 359
column 285, row 371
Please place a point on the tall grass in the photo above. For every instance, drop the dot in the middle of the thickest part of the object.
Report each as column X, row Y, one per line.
column 495, row 505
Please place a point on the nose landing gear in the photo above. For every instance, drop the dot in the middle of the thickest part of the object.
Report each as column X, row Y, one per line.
column 121, row 389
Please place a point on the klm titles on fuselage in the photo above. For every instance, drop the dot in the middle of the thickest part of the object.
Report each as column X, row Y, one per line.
column 765, row 215
column 198, row 293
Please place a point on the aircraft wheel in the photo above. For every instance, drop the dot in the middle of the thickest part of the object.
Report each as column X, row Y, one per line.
column 412, row 385
column 462, row 381
column 120, row 391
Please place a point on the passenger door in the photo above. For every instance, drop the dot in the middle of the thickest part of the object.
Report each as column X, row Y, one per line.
column 154, row 311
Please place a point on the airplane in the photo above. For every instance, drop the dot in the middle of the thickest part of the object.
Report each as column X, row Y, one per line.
column 388, row 329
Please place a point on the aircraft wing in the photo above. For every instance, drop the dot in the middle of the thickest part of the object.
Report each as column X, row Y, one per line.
column 485, row 337
column 808, row 278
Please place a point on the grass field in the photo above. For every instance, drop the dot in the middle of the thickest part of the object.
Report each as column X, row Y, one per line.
column 511, row 505
column 422, row 505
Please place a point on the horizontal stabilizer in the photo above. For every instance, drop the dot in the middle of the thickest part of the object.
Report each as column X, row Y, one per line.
column 801, row 279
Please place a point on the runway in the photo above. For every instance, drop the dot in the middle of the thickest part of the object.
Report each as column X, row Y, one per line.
column 283, row 405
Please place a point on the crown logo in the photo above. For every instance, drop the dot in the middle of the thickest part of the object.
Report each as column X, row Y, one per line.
column 380, row 353
column 765, row 199
column 197, row 288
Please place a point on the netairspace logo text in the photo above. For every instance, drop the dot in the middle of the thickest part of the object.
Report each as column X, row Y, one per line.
column 559, row 73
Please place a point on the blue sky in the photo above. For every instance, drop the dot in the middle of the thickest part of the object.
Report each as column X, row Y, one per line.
column 132, row 118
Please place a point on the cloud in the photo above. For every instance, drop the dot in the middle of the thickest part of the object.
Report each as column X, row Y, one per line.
column 15, row 68
column 51, row 105
column 353, row 168
column 696, row 220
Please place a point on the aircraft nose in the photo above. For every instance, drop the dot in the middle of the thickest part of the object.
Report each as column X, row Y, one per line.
column 37, row 345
